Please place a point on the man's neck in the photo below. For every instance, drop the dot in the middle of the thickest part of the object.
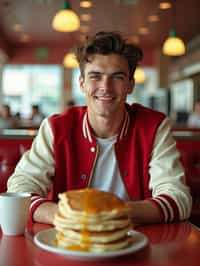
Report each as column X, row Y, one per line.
column 105, row 127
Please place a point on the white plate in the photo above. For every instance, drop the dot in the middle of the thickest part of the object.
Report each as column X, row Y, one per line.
column 45, row 240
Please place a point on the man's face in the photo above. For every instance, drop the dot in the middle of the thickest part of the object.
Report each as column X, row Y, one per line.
column 106, row 84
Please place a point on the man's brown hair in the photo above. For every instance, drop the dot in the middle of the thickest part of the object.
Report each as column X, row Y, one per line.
column 106, row 43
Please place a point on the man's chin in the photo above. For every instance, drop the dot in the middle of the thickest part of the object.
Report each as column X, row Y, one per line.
column 104, row 113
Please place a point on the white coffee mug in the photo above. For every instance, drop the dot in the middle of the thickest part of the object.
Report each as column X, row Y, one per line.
column 14, row 209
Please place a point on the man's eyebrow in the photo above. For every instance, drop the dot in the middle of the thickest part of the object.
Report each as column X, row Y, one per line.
column 114, row 73
column 120, row 73
column 94, row 72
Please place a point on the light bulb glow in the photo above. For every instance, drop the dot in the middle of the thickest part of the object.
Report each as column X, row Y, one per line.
column 86, row 17
column 70, row 61
column 165, row 5
column 139, row 76
column 66, row 21
column 174, row 46
column 153, row 18
column 85, row 4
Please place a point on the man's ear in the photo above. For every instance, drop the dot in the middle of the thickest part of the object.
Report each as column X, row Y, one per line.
column 81, row 83
column 131, row 86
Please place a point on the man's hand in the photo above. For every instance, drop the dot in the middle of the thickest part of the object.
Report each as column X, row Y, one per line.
column 142, row 212
column 45, row 212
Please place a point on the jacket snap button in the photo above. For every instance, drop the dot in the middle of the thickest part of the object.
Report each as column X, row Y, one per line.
column 83, row 177
column 92, row 149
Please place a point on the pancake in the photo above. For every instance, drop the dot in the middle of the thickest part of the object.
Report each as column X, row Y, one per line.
column 91, row 220
column 102, row 237
column 73, row 244
column 96, row 204
column 77, row 224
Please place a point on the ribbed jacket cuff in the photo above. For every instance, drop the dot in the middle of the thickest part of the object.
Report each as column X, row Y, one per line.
column 35, row 202
column 167, row 206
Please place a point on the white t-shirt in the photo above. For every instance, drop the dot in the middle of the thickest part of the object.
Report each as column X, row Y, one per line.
column 106, row 174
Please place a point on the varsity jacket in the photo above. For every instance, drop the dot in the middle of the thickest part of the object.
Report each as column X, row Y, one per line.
column 75, row 153
column 74, row 137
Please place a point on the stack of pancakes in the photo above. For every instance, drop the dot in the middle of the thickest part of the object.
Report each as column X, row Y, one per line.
column 91, row 220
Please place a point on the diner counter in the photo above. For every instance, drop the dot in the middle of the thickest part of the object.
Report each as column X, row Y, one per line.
column 186, row 135
column 17, row 133
column 175, row 244
column 31, row 133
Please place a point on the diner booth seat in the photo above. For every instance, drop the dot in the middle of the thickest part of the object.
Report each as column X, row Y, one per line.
column 11, row 151
column 190, row 157
column 188, row 143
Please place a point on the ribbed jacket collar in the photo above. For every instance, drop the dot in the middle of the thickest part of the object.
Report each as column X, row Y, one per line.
column 87, row 130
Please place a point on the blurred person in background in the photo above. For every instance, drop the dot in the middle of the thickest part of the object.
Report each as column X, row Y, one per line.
column 36, row 115
column 70, row 103
column 7, row 120
column 194, row 118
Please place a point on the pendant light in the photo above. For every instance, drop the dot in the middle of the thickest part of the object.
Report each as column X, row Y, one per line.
column 173, row 45
column 139, row 76
column 70, row 61
column 66, row 19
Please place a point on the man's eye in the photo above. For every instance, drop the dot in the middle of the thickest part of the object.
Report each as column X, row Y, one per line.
column 119, row 77
column 95, row 77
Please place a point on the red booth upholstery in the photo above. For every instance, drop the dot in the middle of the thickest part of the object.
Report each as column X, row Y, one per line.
column 190, row 156
column 11, row 151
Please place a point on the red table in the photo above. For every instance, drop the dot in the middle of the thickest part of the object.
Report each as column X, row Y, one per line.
column 169, row 245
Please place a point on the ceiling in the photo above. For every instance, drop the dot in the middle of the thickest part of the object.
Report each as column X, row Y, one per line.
column 35, row 18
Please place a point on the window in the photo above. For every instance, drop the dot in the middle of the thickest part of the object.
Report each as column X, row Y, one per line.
column 24, row 85
column 77, row 94
column 182, row 95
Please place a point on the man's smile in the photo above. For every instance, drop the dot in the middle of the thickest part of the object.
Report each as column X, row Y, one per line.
column 104, row 97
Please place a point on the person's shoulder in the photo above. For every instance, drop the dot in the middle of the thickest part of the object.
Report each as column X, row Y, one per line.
column 146, row 112
column 193, row 116
column 73, row 113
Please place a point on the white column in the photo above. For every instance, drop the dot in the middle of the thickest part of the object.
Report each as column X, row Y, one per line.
column 66, row 88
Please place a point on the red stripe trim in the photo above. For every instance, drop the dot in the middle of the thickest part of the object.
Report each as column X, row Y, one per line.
column 35, row 202
column 169, row 215
column 173, row 206
column 87, row 133
column 123, row 127
column 127, row 126
column 34, row 198
column 84, row 127
column 155, row 203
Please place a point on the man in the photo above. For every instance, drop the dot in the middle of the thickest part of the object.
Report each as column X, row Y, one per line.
column 194, row 118
column 107, row 145
column 7, row 120
column 36, row 115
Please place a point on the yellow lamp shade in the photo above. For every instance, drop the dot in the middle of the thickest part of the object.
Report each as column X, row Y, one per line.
column 173, row 46
column 66, row 21
column 139, row 76
column 85, row 4
column 70, row 61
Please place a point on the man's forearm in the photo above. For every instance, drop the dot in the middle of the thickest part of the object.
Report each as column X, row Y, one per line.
column 142, row 212
column 45, row 212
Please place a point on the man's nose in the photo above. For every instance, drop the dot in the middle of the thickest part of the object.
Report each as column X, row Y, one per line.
column 106, row 83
